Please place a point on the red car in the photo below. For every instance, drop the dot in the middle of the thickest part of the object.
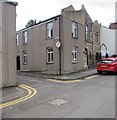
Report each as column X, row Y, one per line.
column 107, row 65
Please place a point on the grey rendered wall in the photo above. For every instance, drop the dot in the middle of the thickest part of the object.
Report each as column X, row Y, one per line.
column 0, row 45
column 36, row 47
column 68, row 42
column 8, row 44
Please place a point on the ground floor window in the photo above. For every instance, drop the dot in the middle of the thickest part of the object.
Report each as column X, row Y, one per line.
column 50, row 55
column 25, row 61
column 74, row 54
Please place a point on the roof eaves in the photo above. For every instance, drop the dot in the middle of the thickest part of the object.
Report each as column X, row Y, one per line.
column 40, row 22
column 10, row 2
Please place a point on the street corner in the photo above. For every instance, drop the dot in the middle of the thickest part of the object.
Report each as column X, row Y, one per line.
column 15, row 95
column 78, row 79
column 64, row 81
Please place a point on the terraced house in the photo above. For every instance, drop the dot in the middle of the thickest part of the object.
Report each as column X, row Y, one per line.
column 58, row 45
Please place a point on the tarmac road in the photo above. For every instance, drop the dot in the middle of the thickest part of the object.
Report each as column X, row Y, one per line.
column 92, row 97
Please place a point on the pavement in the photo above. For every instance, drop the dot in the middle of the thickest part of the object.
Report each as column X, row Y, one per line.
column 10, row 93
column 70, row 76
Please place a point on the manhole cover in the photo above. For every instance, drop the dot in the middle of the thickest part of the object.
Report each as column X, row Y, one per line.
column 58, row 102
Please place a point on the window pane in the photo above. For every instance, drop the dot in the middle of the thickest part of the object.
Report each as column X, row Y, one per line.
column 74, row 29
column 25, row 36
column 50, row 55
column 74, row 54
column 17, row 40
column 25, row 57
column 49, row 30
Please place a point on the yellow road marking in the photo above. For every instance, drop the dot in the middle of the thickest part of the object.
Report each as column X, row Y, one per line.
column 71, row 81
column 64, row 81
column 31, row 93
column 90, row 77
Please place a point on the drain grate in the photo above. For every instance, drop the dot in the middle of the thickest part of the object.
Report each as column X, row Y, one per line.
column 57, row 102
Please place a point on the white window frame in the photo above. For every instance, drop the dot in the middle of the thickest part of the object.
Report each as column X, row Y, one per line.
column 74, row 54
column 25, row 57
column 17, row 39
column 25, row 37
column 74, row 30
column 86, row 32
column 49, row 30
column 50, row 55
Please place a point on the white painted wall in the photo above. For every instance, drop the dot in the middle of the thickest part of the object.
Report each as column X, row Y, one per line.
column 107, row 36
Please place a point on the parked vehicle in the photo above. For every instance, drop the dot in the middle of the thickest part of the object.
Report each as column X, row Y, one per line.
column 107, row 65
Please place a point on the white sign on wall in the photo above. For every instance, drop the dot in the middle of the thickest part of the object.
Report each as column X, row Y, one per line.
column 58, row 44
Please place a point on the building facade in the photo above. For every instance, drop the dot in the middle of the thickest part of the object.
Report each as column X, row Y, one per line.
column 113, row 25
column 7, row 43
column 56, row 45
column 107, row 37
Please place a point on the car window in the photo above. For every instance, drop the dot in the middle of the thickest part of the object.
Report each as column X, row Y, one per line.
column 106, row 61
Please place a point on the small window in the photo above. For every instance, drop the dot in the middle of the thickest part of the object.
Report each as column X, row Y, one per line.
column 86, row 32
column 25, row 37
column 17, row 40
column 50, row 30
column 74, row 54
column 74, row 30
column 50, row 55
column 25, row 61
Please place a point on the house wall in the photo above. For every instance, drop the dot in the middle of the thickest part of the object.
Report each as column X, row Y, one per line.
column 8, row 40
column 37, row 43
column 36, row 47
column 0, row 44
column 68, row 42
column 107, row 36
column 96, row 39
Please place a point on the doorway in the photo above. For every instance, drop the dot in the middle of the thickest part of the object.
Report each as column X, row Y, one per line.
column 18, row 62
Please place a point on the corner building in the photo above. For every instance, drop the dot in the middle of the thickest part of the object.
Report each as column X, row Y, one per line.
column 37, row 48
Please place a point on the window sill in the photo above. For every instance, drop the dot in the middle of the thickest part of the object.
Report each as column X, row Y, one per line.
column 74, row 62
column 25, row 63
column 50, row 63
column 50, row 38
column 74, row 37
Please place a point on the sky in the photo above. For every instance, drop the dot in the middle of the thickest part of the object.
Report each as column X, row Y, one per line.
column 101, row 10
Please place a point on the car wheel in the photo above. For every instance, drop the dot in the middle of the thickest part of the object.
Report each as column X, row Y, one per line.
column 99, row 72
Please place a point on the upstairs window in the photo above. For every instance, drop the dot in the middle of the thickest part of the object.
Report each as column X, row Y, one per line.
column 17, row 40
column 74, row 54
column 25, row 37
column 86, row 32
column 50, row 30
column 74, row 30
column 49, row 55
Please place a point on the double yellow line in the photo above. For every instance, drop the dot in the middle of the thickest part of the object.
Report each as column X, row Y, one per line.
column 31, row 93
column 64, row 81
